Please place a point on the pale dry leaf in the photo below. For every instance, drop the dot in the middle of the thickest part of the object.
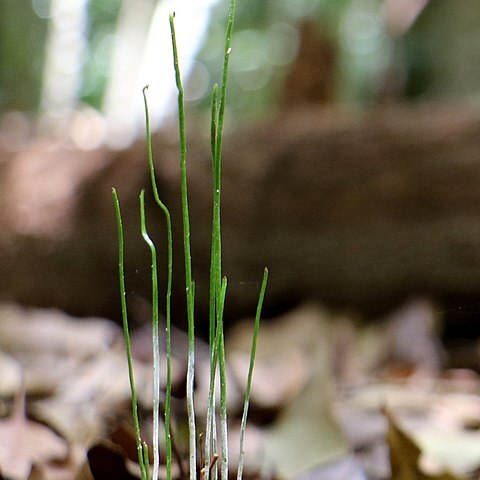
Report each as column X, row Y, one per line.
column 92, row 393
column 405, row 455
column 307, row 433
column 10, row 375
column 438, row 421
column 458, row 451
column 406, row 338
column 61, row 470
column 413, row 337
column 404, row 397
column 277, row 380
column 293, row 369
column 447, row 441
column 45, row 330
column 24, row 443
column 45, row 372
column 286, row 347
column 254, row 445
column 346, row 467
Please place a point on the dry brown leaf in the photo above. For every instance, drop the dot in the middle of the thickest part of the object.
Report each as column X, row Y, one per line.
column 50, row 346
column 45, row 330
column 24, row 443
column 293, row 370
column 405, row 342
column 61, row 470
column 10, row 375
column 307, row 433
column 286, row 349
column 343, row 468
column 412, row 334
column 97, row 389
column 405, row 455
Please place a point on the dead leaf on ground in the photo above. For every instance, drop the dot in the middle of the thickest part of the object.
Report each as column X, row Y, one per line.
column 24, row 443
column 10, row 375
column 50, row 345
column 307, row 433
column 346, row 467
column 405, row 456
column 48, row 330
column 293, row 373
column 97, row 390
column 286, row 347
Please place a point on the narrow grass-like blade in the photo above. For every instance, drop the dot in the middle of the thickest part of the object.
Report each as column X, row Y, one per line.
column 189, row 285
column 155, row 342
column 253, row 352
column 166, row 212
column 142, row 460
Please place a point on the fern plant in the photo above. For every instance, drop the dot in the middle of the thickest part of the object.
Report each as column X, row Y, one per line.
column 218, row 288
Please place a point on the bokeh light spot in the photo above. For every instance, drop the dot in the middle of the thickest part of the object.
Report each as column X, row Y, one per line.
column 41, row 8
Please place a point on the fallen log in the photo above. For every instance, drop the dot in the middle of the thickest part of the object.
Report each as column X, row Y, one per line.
column 358, row 210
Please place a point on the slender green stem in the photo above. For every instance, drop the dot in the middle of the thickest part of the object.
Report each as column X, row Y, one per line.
column 189, row 286
column 217, row 286
column 166, row 212
column 218, row 358
column 215, row 266
column 215, row 260
column 223, row 381
column 219, row 113
column 223, row 93
column 146, row 461
column 213, row 120
column 253, row 351
column 143, row 462
column 155, row 342
column 210, row 440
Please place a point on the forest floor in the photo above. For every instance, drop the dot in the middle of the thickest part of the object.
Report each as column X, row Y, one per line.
column 332, row 397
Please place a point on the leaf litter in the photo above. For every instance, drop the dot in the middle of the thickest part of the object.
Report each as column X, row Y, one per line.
column 25, row 443
column 333, row 397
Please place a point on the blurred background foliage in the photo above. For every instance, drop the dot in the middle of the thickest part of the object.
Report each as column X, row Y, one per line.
column 359, row 52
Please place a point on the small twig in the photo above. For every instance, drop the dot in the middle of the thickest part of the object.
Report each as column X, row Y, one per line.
column 201, row 445
column 213, row 461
